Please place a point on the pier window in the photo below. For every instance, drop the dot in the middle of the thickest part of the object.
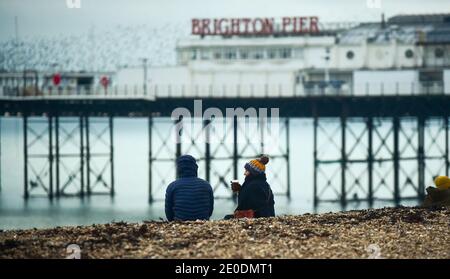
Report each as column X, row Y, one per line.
column 286, row 53
column 230, row 54
column 272, row 53
column 257, row 54
column 194, row 54
column 205, row 54
column 218, row 53
column 243, row 54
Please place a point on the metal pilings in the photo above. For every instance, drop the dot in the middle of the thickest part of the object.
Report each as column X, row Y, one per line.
column 82, row 158
column 111, row 155
column 396, row 158
column 58, row 189
column 219, row 145
column 421, row 157
column 315, row 161
column 25, row 155
column 288, row 167
column 206, row 125
column 88, row 155
column 69, row 153
column 150, row 159
column 38, row 160
column 447, row 139
column 0, row 153
column 50, row 156
column 370, row 160
column 343, row 196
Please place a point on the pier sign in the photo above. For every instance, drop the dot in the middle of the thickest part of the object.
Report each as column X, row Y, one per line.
column 255, row 26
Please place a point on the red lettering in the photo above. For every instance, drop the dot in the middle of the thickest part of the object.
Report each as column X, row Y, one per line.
column 218, row 26
column 313, row 24
column 294, row 24
column 205, row 27
column 246, row 22
column 217, row 29
column 268, row 25
column 227, row 28
column 302, row 25
column 258, row 22
column 235, row 26
column 196, row 29
column 238, row 26
column 286, row 22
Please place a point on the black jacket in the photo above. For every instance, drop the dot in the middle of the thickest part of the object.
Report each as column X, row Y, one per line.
column 256, row 194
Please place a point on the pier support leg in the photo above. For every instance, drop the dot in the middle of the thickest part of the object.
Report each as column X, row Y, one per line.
column 111, row 154
column 0, row 154
column 396, row 160
column 288, row 168
column 81, row 156
column 447, row 139
column 370, row 160
column 343, row 160
column 207, row 150
column 25, row 154
column 235, row 152
column 315, row 198
column 88, row 156
column 178, row 138
column 58, row 190
column 50, row 156
column 150, row 160
column 421, row 158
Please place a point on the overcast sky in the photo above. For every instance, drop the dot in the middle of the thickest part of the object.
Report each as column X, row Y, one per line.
column 51, row 17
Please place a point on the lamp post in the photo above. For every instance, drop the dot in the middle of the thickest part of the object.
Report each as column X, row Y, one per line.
column 326, row 71
column 327, row 59
column 144, row 62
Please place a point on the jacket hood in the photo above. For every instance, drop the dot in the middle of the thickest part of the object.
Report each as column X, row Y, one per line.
column 186, row 166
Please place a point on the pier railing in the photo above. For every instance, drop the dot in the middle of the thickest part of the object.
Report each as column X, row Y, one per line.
column 153, row 91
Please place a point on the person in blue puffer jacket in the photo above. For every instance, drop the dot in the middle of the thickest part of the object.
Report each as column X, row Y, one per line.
column 188, row 197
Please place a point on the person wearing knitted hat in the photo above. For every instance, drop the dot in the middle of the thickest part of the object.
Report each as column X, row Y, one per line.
column 442, row 182
column 439, row 195
column 255, row 197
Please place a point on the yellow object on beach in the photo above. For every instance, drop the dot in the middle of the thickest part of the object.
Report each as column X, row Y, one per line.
column 442, row 182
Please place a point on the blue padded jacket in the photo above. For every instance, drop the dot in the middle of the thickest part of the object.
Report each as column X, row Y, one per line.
column 188, row 197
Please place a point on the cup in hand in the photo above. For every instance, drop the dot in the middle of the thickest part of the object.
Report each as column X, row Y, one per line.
column 235, row 186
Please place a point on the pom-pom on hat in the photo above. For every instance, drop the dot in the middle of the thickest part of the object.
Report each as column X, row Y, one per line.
column 442, row 182
column 257, row 166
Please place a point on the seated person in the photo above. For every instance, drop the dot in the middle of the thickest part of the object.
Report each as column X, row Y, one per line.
column 188, row 197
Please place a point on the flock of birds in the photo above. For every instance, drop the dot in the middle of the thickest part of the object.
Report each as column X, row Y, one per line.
column 95, row 50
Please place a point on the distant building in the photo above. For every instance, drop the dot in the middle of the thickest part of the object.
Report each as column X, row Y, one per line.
column 407, row 53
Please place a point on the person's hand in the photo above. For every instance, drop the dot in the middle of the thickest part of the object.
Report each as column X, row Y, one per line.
column 235, row 186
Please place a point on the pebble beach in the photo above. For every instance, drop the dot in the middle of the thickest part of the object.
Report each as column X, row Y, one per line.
column 403, row 232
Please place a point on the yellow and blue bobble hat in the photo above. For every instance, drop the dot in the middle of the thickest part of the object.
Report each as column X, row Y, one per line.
column 442, row 182
column 257, row 166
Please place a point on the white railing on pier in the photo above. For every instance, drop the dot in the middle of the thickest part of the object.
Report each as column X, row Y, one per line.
column 153, row 91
